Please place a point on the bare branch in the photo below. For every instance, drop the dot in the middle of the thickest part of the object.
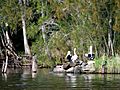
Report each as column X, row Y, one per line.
column 49, row 22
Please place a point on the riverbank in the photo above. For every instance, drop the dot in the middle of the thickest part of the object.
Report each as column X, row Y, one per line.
column 110, row 65
column 103, row 65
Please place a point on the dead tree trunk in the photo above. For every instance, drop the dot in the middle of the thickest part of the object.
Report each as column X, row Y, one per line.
column 3, row 66
column 8, row 49
column 6, row 63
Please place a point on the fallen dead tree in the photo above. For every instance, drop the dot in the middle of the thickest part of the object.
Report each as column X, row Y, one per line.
column 10, row 56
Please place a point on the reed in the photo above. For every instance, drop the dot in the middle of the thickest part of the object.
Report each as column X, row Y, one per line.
column 113, row 64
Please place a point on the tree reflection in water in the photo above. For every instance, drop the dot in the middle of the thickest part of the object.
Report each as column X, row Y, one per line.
column 4, row 76
column 26, row 73
column 45, row 80
column 34, row 75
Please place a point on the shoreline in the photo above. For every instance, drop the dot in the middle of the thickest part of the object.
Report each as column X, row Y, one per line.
column 87, row 72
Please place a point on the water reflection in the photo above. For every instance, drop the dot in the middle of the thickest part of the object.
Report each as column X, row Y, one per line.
column 59, row 74
column 34, row 75
column 88, row 77
column 26, row 73
column 71, row 78
column 9, row 73
column 43, row 80
column 4, row 76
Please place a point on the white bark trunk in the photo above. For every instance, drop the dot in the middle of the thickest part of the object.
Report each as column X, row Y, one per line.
column 3, row 66
column 34, row 64
column 43, row 32
column 43, row 26
column 34, row 69
column 8, row 42
column 26, row 46
column 9, row 45
column 6, row 64
column 8, row 39
column 110, row 42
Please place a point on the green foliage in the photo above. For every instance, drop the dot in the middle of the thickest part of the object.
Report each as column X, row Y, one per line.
column 10, row 13
column 112, row 65
column 80, row 23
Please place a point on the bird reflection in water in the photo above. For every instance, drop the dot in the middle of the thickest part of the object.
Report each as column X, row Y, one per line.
column 88, row 77
column 71, row 79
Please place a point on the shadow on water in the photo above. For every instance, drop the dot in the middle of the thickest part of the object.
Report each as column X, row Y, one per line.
column 46, row 80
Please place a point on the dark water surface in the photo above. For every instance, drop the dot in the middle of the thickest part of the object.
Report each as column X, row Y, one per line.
column 46, row 80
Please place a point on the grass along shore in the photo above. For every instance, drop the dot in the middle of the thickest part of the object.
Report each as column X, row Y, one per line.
column 112, row 64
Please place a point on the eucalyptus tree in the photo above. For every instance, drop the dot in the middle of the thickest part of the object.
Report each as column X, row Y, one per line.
column 105, row 15
column 42, row 25
column 116, row 26
column 9, row 19
column 8, row 23
column 14, row 12
column 23, row 4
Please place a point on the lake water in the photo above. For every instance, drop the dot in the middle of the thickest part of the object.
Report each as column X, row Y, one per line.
column 46, row 80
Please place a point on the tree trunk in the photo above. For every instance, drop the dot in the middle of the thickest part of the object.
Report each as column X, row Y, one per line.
column 6, row 62
column 34, row 64
column 44, row 35
column 106, row 45
column 96, row 52
column 110, row 39
column 3, row 66
column 26, row 46
column 8, row 49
